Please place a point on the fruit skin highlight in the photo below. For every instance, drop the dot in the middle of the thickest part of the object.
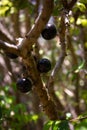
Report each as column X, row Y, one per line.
column 44, row 65
column 49, row 32
column 24, row 85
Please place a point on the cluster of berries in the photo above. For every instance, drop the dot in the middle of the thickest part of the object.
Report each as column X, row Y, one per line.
column 43, row 65
column 25, row 84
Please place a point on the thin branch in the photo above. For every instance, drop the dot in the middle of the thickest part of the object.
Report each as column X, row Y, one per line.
column 16, row 24
column 5, row 34
column 38, row 4
column 63, row 46
column 27, row 20
column 78, row 119
column 9, row 47
column 59, row 63
column 42, row 19
column 74, row 62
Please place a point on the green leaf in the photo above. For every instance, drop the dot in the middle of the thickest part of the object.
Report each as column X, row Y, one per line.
column 83, row 1
column 63, row 125
column 80, row 67
column 48, row 125
column 81, row 6
column 5, row 2
column 5, row 7
column 34, row 117
column 82, row 21
column 55, row 125
column 82, row 125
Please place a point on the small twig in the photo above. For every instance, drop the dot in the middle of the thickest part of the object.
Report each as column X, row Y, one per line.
column 9, row 47
column 78, row 119
column 59, row 63
column 62, row 32
column 5, row 34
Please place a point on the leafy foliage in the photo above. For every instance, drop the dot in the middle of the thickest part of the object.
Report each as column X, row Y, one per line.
column 56, row 125
column 17, row 114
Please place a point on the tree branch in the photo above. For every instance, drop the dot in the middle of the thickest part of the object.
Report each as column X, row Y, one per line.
column 24, row 49
column 62, row 32
column 78, row 119
column 9, row 47
column 36, row 29
column 42, row 19
column 5, row 34
column 47, row 104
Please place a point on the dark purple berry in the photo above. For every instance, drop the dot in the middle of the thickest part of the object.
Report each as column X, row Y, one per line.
column 49, row 32
column 11, row 55
column 24, row 85
column 44, row 65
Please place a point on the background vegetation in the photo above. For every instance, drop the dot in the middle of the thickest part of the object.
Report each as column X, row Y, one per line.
column 68, row 88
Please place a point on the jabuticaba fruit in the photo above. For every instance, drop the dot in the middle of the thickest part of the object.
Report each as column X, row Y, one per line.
column 44, row 65
column 49, row 32
column 24, row 85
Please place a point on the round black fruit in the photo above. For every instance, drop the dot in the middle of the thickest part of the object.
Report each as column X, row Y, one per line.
column 44, row 65
column 11, row 55
column 24, row 85
column 49, row 32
